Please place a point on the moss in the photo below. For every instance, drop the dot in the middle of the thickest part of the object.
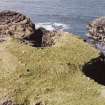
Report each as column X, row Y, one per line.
column 50, row 76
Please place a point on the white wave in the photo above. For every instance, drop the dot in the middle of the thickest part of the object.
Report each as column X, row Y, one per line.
column 52, row 26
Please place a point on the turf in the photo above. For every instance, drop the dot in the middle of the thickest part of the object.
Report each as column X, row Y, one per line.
column 48, row 76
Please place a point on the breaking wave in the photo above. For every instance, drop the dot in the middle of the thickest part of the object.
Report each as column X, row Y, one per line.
column 52, row 26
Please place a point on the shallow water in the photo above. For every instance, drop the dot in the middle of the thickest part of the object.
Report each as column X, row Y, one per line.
column 71, row 15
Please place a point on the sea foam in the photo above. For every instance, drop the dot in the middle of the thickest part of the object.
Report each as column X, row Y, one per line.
column 52, row 26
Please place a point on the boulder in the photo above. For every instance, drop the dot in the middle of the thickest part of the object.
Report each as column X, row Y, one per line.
column 50, row 38
column 45, row 38
column 96, row 29
column 15, row 24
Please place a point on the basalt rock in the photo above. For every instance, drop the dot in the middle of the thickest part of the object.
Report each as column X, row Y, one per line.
column 15, row 24
column 96, row 29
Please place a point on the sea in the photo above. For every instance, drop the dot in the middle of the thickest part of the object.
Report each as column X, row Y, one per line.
column 68, row 15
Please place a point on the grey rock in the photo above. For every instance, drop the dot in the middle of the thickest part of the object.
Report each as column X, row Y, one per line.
column 96, row 29
column 15, row 24
column 45, row 38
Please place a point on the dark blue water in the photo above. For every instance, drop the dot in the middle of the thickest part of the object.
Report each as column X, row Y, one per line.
column 73, row 14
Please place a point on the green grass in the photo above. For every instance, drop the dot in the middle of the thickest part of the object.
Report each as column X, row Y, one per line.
column 51, row 76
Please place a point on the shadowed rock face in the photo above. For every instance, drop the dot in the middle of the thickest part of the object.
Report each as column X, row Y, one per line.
column 45, row 38
column 96, row 29
column 95, row 69
column 15, row 24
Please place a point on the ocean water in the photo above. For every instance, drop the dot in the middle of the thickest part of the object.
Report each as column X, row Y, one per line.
column 69, row 15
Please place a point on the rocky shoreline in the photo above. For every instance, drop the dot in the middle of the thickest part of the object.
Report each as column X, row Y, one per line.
column 17, row 25
column 31, row 65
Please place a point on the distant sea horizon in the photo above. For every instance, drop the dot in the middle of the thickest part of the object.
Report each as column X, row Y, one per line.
column 70, row 15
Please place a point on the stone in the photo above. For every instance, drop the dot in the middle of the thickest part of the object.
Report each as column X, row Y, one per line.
column 8, row 102
column 15, row 24
column 45, row 38
column 96, row 29
column 50, row 38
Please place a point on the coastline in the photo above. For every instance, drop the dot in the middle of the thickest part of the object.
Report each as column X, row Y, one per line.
column 48, row 74
column 41, row 67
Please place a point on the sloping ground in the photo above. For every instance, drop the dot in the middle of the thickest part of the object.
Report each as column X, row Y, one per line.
column 49, row 76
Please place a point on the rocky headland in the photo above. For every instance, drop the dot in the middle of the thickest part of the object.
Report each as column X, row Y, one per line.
column 61, row 69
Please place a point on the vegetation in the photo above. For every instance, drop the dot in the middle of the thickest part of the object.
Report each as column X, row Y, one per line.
column 48, row 76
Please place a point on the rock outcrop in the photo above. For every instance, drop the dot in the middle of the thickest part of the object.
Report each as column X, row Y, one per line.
column 96, row 29
column 15, row 24
column 45, row 38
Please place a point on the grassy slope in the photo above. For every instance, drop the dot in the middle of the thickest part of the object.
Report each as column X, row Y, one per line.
column 52, row 76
